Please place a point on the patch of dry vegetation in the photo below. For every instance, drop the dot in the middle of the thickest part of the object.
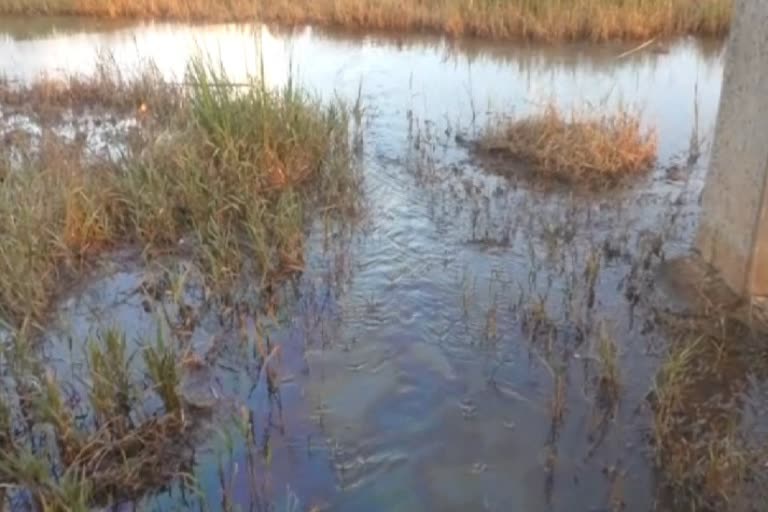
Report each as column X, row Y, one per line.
column 547, row 20
column 580, row 147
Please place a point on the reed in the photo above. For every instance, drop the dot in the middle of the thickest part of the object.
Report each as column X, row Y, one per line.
column 237, row 171
column 548, row 20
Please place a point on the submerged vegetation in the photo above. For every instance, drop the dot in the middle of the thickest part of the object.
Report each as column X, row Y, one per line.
column 580, row 148
column 547, row 20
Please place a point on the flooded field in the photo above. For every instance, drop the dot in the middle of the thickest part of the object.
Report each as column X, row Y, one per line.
column 473, row 340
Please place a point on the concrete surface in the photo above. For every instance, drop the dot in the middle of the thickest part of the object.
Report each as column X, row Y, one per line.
column 733, row 234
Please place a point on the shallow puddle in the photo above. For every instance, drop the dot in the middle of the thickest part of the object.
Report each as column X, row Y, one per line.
column 445, row 356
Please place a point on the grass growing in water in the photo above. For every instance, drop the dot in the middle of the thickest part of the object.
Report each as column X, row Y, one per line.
column 112, row 392
column 162, row 365
column 117, row 453
column 609, row 372
column 502, row 19
column 707, row 458
column 578, row 147
column 234, row 171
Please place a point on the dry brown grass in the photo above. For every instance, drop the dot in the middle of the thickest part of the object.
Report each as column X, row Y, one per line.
column 501, row 19
column 580, row 147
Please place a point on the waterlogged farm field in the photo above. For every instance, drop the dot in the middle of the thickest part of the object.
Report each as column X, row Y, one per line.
column 254, row 269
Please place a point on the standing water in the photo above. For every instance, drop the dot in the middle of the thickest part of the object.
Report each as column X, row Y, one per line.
column 446, row 356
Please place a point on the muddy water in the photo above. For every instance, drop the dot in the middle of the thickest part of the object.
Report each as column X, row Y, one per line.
column 411, row 378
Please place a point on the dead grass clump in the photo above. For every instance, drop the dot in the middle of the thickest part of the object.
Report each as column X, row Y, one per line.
column 546, row 20
column 576, row 148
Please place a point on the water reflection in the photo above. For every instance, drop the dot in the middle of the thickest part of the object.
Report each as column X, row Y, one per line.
column 437, row 78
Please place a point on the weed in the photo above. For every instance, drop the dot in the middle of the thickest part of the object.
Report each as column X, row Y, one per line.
column 559, row 397
column 6, row 445
column 703, row 458
column 491, row 323
column 70, row 494
column 591, row 274
column 538, row 323
column 616, row 478
column 52, row 410
column 162, row 366
column 609, row 379
column 6, row 425
column 110, row 458
column 112, row 392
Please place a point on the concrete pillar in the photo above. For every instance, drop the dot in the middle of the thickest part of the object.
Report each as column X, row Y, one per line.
column 733, row 233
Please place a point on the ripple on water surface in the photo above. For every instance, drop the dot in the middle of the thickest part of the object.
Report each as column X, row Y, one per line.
column 422, row 388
